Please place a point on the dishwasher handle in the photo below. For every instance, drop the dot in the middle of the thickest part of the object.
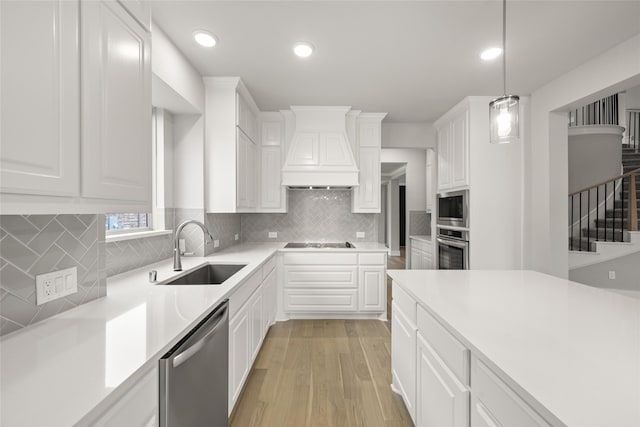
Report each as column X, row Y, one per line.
column 219, row 319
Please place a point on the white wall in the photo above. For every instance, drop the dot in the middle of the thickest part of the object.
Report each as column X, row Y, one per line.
column 188, row 161
column 546, row 158
column 408, row 135
column 416, row 159
column 633, row 98
column 171, row 66
column 626, row 272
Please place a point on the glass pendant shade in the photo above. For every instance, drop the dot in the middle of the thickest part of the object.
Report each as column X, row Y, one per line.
column 503, row 116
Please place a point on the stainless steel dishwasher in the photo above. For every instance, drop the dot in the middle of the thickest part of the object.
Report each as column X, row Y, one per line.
column 194, row 375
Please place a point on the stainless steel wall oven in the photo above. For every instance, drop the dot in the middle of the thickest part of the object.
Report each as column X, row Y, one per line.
column 452, row 249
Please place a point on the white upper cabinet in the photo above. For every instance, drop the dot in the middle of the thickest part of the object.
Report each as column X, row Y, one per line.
column 366, row 197
column 60, row 58
column 460, row 150
column 430, row 180
column 140, row 10
column 40, row 98
column 273, row 195
column 116, row 101
column 231, row 152
column 453, row 151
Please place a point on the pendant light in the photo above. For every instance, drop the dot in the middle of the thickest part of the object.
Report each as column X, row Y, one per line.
column 503, row 111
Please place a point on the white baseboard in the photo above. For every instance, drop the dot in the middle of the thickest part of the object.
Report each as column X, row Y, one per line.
column 394, row 253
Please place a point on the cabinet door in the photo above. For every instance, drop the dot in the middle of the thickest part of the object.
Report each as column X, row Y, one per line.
column 270, row 299
column 140, row 10
column 40, row 114
column 426, row 260
column 444, row 157
column 460, row 150
column 116, row 104
column 271, row 188
column 403, row 358
column 257, row 322
column 416, row 259
column 372, row 288
column 367, row 194
column 239, row 352
column 429, row 184
column 441, row 399
column 245, row 171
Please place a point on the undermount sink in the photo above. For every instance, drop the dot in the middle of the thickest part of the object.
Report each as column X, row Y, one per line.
column 210, row 274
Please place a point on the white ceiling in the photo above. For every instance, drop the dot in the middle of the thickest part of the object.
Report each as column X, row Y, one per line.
column 413, row 59
column 390, row 168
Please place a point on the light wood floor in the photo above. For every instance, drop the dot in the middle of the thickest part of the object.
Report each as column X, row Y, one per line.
column 323, row 373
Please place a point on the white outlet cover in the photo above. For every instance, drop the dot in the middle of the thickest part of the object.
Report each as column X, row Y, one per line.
column 273, row 234
column 216, row 243
column 612, row 275
column 360, row 234
column 236, row 237
column 56, row 284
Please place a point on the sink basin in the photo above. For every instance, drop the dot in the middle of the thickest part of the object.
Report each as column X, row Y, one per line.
column 210, row 274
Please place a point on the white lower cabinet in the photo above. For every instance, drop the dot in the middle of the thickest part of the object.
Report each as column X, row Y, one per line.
column 348, row 284
column 441, row 398
column 252, row 310
column 257, row 322
column 403, row 357
column 270, row 297
column 138, row 407
column 494, row 403
column 442, row 382
column 421, row 255
column 239, row 352
column 372, row 288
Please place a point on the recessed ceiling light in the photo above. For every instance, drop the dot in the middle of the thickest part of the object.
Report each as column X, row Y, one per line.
column 491, row 53
column 303, row 49
column 205, row 38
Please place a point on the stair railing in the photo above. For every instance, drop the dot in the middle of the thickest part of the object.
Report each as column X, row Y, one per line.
column 633, row 129
column 605, row 201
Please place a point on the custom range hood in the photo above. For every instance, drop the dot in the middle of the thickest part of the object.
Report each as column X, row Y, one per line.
column 320, row 154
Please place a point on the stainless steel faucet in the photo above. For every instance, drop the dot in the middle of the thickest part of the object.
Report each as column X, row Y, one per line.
column 177, row 263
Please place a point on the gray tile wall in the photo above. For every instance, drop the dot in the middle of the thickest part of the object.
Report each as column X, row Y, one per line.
column 36, row 244
column 192, row 234
column 419, row 223
column 223, row 227
column 126, row 255
column 314, row 215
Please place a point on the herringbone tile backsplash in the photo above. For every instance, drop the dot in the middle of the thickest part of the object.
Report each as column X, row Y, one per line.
column 314, row 216
column 36, row 244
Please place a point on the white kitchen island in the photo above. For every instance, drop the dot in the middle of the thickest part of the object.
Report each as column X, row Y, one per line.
column 514, row 348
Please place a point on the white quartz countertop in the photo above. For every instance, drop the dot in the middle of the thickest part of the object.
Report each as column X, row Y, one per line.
column 572, row 348
column 426, row 239
column 62, row 370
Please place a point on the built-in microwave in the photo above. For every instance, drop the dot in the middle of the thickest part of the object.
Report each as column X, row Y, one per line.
column 453, row 209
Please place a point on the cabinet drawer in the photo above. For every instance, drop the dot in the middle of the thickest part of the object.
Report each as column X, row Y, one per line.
column 406, row 304
column 320, row 258
column 420, row 245
column 450, row 350
column 268, row 267
column 304, row 276
column 240, row 296
column 493, row 402
column 372, row 259
column 320, row 300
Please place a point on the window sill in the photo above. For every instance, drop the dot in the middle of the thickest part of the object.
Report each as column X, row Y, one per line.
column 136, row 235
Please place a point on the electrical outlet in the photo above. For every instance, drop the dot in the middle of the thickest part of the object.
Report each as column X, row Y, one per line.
column 273, row 234
column 56, row 284
column 612, row 275
column 182, row 246
column 236, row 237
column 360, row 235
column 216, row 243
